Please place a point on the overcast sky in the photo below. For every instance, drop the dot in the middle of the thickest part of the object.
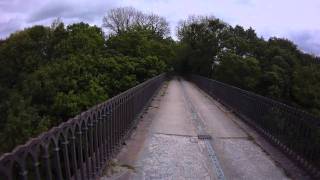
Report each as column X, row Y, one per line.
column 297, row 20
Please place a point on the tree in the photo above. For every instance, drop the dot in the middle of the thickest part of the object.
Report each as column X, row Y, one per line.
column 22, row 53
column 119, row 20
column 201, row 37
column 306, row 88
column 138, row 42
column 243, row 72
column 236, row 56
column 22, row 122
column 50, row 74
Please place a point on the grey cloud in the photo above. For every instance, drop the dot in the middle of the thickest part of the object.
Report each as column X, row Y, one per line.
column 83, row 11
column 50, row 11
column 17, row 6
column 17, row 14
column 9, row 27
column 244, row 2
column 308, row 41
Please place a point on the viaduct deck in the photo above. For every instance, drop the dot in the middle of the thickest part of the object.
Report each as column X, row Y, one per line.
column 185, row 134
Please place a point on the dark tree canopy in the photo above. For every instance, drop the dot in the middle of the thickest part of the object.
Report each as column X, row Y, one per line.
column 49, row 74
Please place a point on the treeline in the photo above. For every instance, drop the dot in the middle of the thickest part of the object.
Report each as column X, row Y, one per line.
column 275, row 68
column 49, row 74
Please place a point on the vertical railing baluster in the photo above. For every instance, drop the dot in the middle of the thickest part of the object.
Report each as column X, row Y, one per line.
column 74, row 156
column 23, row 171
column 47, row 165
column 96, row 149
column 101, row 143
column 99, row 140
column 132, row 107
column 112, row 129
column 126, row 113
column 117, row 122
column 66, row 158
column 122, row 118
column 91, row 144
column 86, row 150
column 109, row 131
column 57, row 162
column 105, row 133
column 36, row 166
column 80, row 152
column 114, row 125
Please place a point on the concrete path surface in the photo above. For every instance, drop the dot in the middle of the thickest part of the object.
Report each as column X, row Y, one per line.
column 166, row 143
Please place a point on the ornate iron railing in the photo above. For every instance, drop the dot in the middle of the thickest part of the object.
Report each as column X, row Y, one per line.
column 81, row 147
column 295, row 132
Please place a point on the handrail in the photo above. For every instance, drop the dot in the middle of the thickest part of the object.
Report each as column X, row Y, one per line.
column 294, row 131
column 80, row 147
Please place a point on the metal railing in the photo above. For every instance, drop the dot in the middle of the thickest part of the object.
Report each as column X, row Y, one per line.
column 81, row 147
column 295, row 132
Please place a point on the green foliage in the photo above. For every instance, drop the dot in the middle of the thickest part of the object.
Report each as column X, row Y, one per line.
column 48, row 75
column 22, row 122
column 307, row 87
column 274, row 68
column 240, row 71
column 22, row 53
column 138, row 42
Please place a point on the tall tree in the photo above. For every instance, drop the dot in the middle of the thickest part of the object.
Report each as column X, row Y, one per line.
column 119, row 20
column 236, row 55
column 49, row 74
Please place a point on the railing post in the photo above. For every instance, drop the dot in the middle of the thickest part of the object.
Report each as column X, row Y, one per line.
column 91, row 153
column 80, row 152
column 46, row 158
column 86, row 149
column 66, row 157
column 74, row 156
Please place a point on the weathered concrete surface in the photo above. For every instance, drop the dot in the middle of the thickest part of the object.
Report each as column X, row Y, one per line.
column 165, row 144
column 240, row 149
column 173, row 116
column 173, row 157
column 239, row 156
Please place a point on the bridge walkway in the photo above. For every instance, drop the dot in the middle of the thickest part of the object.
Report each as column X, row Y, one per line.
column 185, row 134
